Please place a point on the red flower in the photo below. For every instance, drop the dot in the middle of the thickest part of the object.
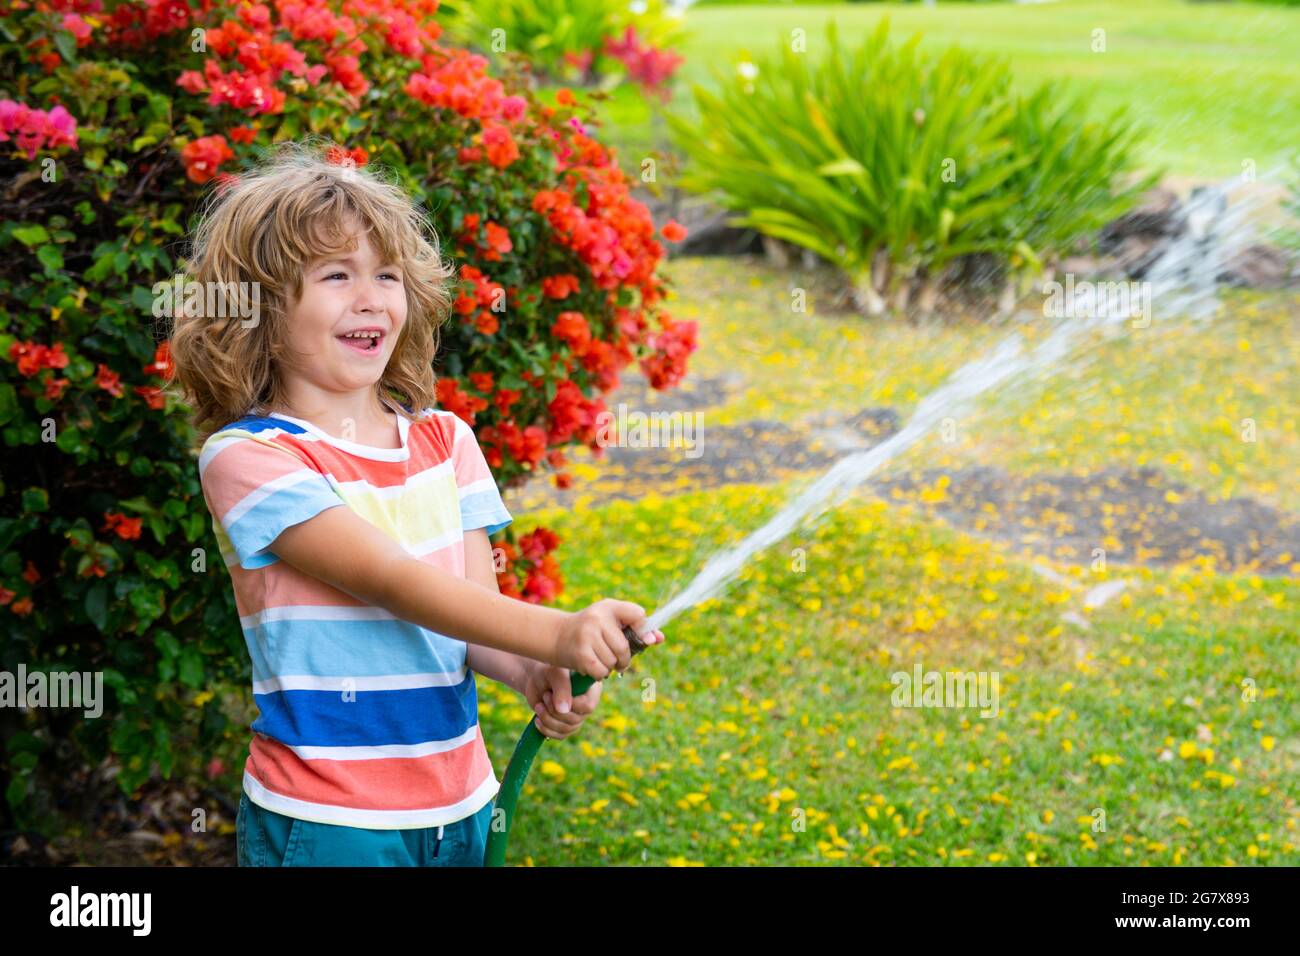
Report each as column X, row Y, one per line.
column 498, row 240
column 544, row 582
column 506, row 397
column 162, row 362
column 559, row 286
column 452, row 399
column 109, row 380
column 55, row 357
column 33, row 130
column 352, row 157
column 571, row 414
column 22, row 607
column 153, row 396
column 5, row 596
column 673, row 231
column 538, row 543
column 243, row 134
column 30, row 574
column 203, row 156
column 667, row 366
column 128, row 529
column 346, row 71
column 487, row 323
column 31, row 357
column 572, row 328
column 95, row 568
column 482, row 381
column 54, row 388
column 500, row 145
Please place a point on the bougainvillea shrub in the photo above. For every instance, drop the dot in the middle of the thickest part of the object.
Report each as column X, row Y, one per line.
column 588, row 42
column 117, row 120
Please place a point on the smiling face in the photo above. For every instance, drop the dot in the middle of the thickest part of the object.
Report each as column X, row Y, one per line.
column 344, row 326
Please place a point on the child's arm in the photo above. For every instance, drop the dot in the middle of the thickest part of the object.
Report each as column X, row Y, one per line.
column 502, row 666
column 546, row 688
column 342, row 549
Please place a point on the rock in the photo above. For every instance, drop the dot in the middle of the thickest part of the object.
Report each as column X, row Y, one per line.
column 774, row 250
column 1257, row 267
column 1159, row 214
column 1136, row 254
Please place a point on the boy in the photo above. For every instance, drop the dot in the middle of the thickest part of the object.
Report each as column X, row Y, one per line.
column 355, row 529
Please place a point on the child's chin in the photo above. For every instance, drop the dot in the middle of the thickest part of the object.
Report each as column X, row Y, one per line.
column 355, row 380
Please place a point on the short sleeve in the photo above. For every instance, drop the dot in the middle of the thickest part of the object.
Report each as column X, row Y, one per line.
column 480, row 501
column 255, row 490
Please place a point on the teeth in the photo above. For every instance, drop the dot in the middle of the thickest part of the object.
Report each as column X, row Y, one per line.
column 361, row 335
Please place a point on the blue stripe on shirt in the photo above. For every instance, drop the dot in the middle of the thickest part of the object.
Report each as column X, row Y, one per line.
column 372, row 718
column 484, row 509
column 374, row 648
column 254, row 424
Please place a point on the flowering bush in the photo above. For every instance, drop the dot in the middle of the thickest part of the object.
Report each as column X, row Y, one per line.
column 583, row 41
column 121, row 117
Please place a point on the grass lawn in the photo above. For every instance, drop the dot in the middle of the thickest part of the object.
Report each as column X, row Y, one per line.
column 763, row 731
column 766, row 733
column 1217, row 83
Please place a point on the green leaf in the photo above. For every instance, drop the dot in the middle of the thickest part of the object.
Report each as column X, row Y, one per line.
column 842, row 167
column 147, row 602
column 97, row 605
column 67, row 45
column 35, row 500
column 31, row 235
column 8, row 402
column 51, row 257
column 191, row 669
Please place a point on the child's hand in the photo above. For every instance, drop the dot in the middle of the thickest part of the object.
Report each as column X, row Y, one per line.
column 549, row 694
column 591, row 641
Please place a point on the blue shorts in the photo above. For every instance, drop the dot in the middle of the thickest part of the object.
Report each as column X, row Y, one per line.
column 266, row 838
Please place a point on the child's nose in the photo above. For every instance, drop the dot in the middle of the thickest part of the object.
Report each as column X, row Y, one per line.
column 368, row 297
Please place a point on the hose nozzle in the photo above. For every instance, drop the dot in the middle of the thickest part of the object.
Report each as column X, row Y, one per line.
column 634, row 640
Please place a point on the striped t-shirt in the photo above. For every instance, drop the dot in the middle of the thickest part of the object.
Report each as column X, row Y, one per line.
column 365, row 720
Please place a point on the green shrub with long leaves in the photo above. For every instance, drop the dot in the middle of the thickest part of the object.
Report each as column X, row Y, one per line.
column 895, row 165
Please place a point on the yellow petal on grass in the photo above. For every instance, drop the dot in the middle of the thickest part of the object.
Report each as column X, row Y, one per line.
column 616, row 722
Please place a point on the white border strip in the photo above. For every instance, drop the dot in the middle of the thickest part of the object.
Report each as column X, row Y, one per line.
column 340, row 684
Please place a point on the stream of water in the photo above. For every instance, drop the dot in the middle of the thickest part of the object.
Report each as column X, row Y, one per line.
column 1180, row 284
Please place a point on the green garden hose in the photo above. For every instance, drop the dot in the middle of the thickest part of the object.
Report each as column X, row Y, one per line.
column 521, row 761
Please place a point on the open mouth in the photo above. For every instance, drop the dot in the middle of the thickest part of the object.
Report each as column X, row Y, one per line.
column 365, row 341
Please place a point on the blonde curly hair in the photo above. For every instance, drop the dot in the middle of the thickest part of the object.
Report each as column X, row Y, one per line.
column 294, row 208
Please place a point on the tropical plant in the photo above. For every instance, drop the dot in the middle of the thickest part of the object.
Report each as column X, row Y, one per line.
column 893, row 164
